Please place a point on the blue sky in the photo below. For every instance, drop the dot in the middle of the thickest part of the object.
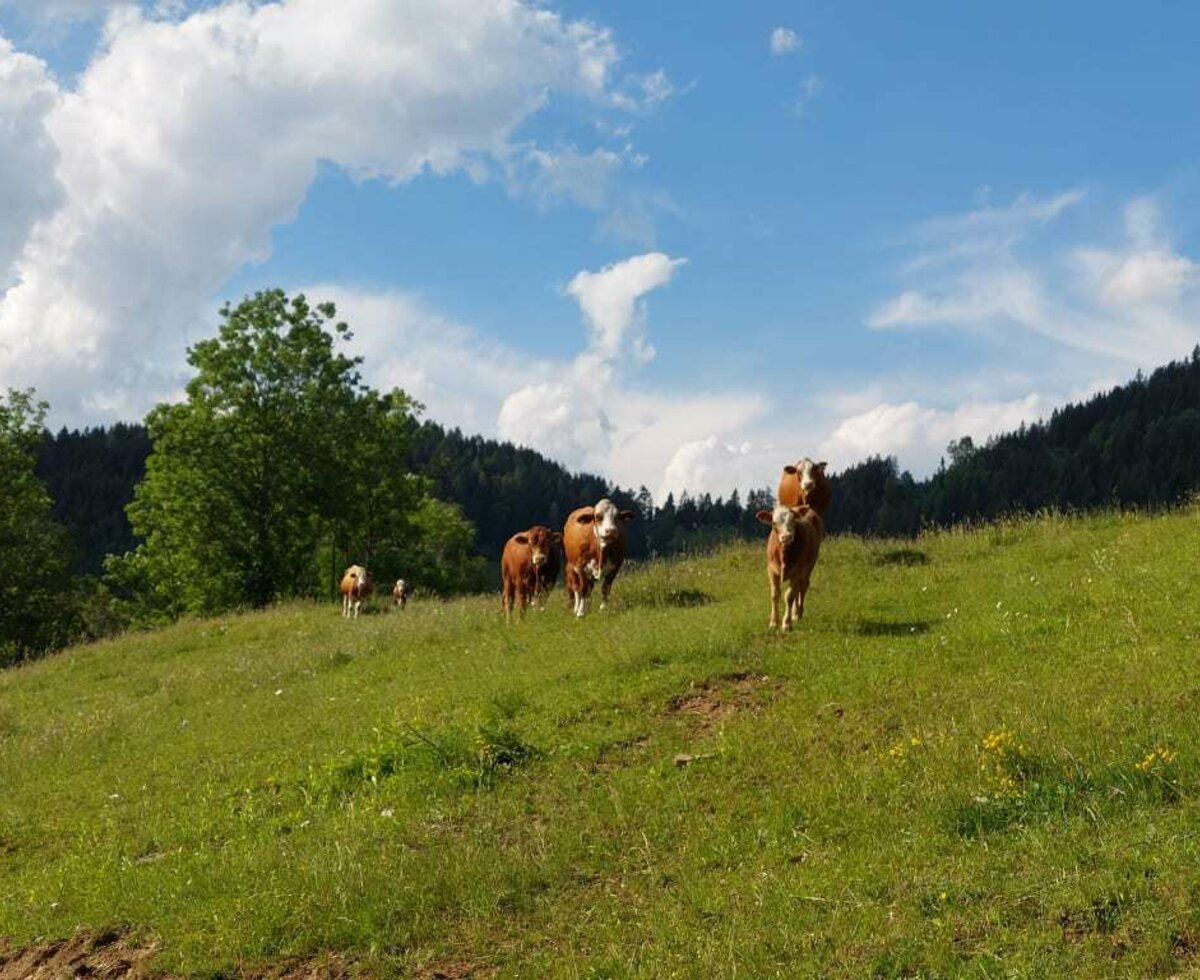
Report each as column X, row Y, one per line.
column 677, row 244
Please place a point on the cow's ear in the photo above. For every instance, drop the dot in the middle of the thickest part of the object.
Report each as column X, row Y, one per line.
column 765, row 517
column 521, row 539
column 585, row 518
column 821, row 465
column 790, row 470
column 627, row 515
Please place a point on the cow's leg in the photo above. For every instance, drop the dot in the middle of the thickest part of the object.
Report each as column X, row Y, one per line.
column 357, row 606
column 774, row 579
column 506, row 599
column 346, row 605
column 606, row 589
column 789, row 605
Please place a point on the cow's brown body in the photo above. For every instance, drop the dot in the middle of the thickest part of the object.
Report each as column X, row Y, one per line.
column 792, row 550
column 594, row 547
column 806, row 484
column 522, row 566
column 355, row 587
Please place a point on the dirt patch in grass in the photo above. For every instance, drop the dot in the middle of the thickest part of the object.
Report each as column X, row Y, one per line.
column 112, row 955
column 104, row 954
column 454, row 970
column 709, row 704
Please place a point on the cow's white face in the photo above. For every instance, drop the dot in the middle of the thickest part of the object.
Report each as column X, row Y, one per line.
column 809, row 472
column 606, row 521
column 783, row 519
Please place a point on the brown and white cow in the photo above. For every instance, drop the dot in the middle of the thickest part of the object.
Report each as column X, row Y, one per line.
column 594, row 543
column 805, row 483
column 792, row 549
column 525, row 555
column 356, row 586
column 400, row 593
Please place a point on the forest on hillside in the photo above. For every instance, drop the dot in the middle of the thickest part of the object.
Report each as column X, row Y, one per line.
column 1135, row 445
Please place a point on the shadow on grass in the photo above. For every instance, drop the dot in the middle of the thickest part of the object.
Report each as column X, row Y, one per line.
column 900, row 556
column 903, row 627
column 670, row 598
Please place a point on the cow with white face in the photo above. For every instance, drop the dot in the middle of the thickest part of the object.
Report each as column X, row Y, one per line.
column 792, row 549
column 594, row 543
column 524, row 566
column 806, row 484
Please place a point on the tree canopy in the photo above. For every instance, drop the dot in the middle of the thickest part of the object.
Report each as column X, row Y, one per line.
column 33, row 547
column 278, row 468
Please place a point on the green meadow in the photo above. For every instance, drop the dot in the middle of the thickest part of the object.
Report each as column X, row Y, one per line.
column 976, row 756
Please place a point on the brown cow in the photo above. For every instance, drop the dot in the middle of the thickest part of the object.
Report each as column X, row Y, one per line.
column 525, row 555
column 805, row 483
column 792, row 549
column 400, row 593
column 594, row 542
column 356, row 586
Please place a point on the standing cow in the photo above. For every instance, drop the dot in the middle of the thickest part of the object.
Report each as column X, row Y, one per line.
column 594, row 543
column 806, row 483
column 792, row 549
column 400, row 593
column 526, row 554
column 356, row 586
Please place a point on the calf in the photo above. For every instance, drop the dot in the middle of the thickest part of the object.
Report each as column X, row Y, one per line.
column 356, row 586
column 594, row 543
column 400, row 593
column 805, row 483
column 525, row 555
column 792, row 549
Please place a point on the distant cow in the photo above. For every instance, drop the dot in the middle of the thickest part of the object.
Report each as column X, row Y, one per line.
column 792, row 549
column 594, row 543
column 806, row 483
column 400, row 593
column 525, row 556
column 356, row 586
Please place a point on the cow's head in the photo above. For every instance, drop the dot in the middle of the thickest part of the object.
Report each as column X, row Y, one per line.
column 782, row 520
column 606, row 520
column 540, row 540
column 809, row 473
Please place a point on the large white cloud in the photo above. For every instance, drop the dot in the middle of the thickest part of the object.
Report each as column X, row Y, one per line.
column 28, row 189
column 918, row 434
column 185, row 142
column 569, row 417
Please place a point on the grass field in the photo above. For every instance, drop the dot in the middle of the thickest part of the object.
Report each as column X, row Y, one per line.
column 977, row 756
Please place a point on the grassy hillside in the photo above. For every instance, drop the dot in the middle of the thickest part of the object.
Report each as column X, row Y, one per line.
column 977, row 756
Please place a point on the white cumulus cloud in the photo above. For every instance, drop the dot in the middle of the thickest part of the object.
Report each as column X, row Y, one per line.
column 918, row 434
column 184, row 143
column 28, row 189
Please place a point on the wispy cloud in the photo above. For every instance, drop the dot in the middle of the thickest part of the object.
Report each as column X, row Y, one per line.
column 1135, row 303
column 784, row 41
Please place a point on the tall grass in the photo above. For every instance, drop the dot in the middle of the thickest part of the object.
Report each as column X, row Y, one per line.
column 976, row 756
